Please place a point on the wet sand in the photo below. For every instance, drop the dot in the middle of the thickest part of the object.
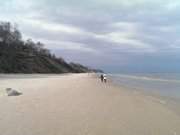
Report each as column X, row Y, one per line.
column 79, row 104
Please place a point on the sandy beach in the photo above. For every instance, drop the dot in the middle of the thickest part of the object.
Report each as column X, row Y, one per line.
column 79, row 104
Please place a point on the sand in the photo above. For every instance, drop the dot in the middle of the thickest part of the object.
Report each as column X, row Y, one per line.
column 79, row 104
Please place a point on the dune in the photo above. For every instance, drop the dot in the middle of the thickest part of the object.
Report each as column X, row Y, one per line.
column 79, row 104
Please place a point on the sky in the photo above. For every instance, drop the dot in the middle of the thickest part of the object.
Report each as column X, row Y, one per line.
column 113, row 35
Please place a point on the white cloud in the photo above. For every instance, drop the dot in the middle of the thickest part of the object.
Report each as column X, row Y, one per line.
column 56, row 27
column 175, row 45
column 66, row 45
column 128, row 26
column 124, row 34
column 172, row 5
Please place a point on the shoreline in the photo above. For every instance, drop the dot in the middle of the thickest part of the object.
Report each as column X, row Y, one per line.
column 80, row 104
column 170, row 102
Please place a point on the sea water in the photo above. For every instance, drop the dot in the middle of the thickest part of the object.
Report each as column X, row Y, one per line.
column 164, row 86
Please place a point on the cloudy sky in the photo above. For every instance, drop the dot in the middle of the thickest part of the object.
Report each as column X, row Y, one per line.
column 114, row 35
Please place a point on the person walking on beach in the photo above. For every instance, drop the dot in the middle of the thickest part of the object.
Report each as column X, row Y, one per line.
column 105, row 78
column 102, row 78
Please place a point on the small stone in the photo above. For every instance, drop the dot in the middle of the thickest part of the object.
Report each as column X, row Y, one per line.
column 11, row 92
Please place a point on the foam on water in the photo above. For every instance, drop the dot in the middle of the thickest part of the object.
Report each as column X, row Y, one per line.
column 145, row 78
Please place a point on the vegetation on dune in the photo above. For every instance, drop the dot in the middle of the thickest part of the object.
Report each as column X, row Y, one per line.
column 18, row 56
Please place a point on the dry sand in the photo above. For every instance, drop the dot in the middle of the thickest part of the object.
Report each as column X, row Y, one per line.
column 79, row 104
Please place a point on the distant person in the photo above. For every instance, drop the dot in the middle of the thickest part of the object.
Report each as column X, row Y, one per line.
column 102, row 78
column 105, row 78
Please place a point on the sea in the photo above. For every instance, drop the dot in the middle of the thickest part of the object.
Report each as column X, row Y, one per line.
column 165, row 86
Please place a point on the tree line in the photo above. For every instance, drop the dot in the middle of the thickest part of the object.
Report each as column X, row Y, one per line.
column 19, row 56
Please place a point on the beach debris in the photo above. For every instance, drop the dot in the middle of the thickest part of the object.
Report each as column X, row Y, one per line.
column 12, row 92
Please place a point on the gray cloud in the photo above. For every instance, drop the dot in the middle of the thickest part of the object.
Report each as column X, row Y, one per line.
column 106, row 34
